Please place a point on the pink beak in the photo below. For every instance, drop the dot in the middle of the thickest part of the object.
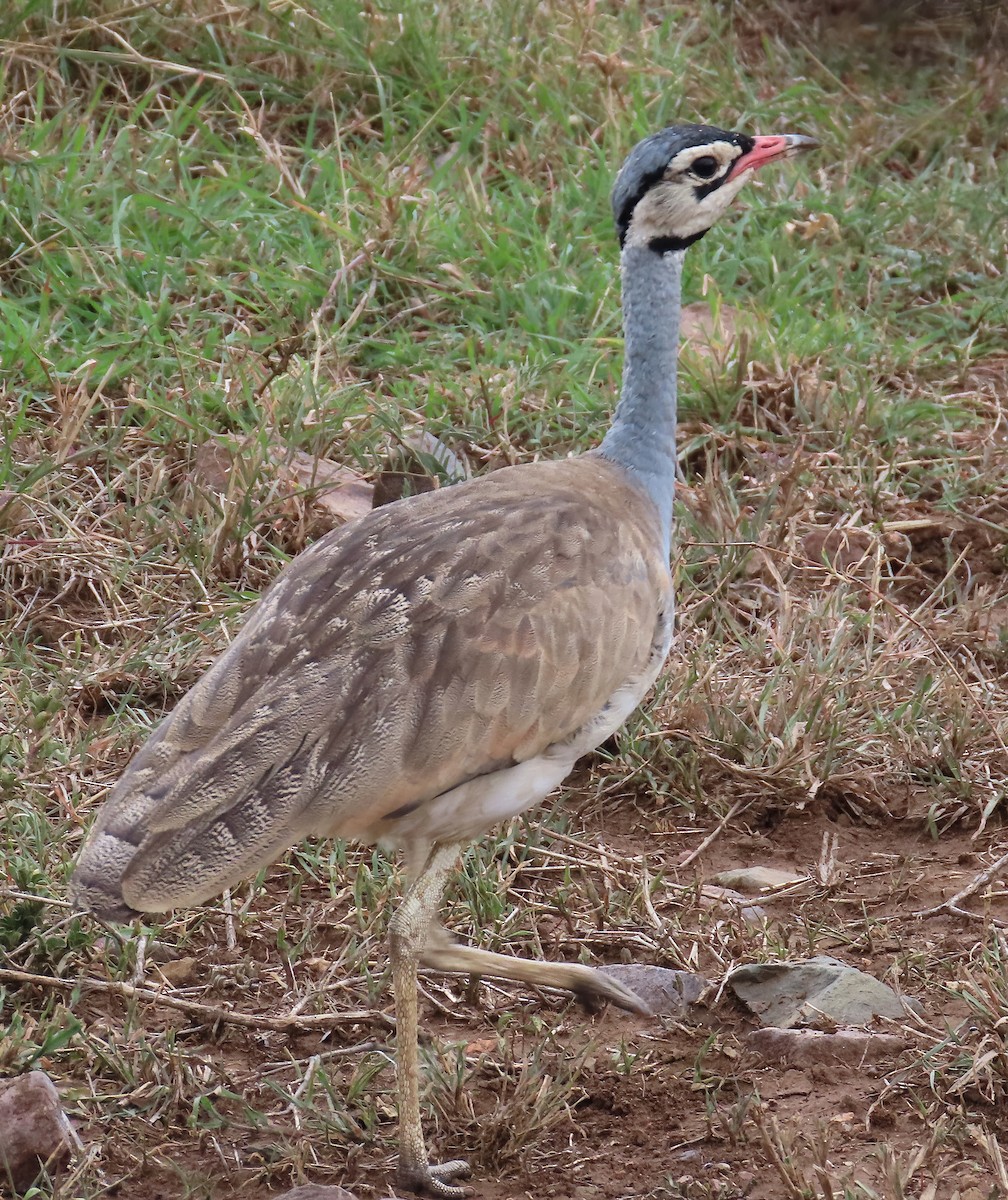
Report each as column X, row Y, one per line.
column 768, row 149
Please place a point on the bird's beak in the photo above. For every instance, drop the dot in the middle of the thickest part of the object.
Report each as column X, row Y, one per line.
column 767, row 149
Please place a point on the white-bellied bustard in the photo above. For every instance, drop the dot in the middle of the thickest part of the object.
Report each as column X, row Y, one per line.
column 439, row 666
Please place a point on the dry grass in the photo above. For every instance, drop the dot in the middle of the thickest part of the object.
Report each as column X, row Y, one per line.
column 233, row 234
column 875, row 621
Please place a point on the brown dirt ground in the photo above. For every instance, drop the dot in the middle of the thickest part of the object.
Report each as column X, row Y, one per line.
column 681, row 1116
column 543, row 1098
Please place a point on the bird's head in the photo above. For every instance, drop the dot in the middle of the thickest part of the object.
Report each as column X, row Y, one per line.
column 676, row 183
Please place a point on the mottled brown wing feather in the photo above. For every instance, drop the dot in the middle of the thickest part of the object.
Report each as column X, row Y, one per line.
column 433, row 642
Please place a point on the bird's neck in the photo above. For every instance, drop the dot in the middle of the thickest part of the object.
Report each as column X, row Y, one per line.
column 642, row 435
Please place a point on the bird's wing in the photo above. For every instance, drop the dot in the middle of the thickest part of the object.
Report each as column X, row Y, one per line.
column 435, row 641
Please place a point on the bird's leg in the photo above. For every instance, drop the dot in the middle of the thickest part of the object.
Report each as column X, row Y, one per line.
column 407, row 934
column 442, row 954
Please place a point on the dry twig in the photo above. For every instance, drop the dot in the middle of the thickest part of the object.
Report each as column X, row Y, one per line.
column 205, row 1012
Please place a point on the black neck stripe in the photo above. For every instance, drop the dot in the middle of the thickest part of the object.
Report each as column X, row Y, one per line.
column 663, row 245
column 626, row 212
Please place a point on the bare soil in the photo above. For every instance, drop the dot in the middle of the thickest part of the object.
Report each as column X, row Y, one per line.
column 652, row 1107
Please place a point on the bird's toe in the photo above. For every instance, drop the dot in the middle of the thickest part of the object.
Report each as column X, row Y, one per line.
column 603, row 989
column 436, row 1179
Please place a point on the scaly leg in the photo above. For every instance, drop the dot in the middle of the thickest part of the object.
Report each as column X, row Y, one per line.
column 442, row 954
column 407, row 935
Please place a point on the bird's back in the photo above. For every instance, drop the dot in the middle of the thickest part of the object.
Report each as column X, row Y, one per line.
column 439, row 640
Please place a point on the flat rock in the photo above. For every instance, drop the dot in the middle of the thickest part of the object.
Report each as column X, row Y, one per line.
column 732, row 901
column 180, row 972
column 664, row 991
column 339, row 490
column 316, row 1191
column 750, row 880
column 807, row 1047
column 34, row 1129
column 800, row 993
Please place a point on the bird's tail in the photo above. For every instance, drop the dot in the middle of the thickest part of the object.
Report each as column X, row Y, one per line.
column 96, row 883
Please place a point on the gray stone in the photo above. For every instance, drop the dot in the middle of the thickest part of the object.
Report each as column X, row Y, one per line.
column 752, row 880
column 35, row 1132
column 664, row 991
column 808, row 1047
column 802, row 993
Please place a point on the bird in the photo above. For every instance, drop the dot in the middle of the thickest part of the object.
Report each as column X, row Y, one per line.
column 420, row 676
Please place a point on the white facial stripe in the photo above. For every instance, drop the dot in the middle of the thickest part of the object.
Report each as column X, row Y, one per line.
column 724, row 152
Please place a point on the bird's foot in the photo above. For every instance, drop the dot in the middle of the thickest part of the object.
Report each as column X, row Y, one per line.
column 435, row 1179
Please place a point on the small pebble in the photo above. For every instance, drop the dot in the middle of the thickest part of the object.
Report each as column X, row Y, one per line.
column 753, row 880
column 34, row 1129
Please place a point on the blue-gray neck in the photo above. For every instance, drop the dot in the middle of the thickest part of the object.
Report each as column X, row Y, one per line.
column 642, row 435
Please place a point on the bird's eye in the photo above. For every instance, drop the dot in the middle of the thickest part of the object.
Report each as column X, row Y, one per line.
column 706, row 167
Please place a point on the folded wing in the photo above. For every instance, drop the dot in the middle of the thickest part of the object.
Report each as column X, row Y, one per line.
column 435, row 641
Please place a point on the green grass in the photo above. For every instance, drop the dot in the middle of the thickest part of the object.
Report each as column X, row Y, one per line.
column 274, row 228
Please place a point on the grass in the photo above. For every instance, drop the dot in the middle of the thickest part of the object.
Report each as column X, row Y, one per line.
column 230, row 234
